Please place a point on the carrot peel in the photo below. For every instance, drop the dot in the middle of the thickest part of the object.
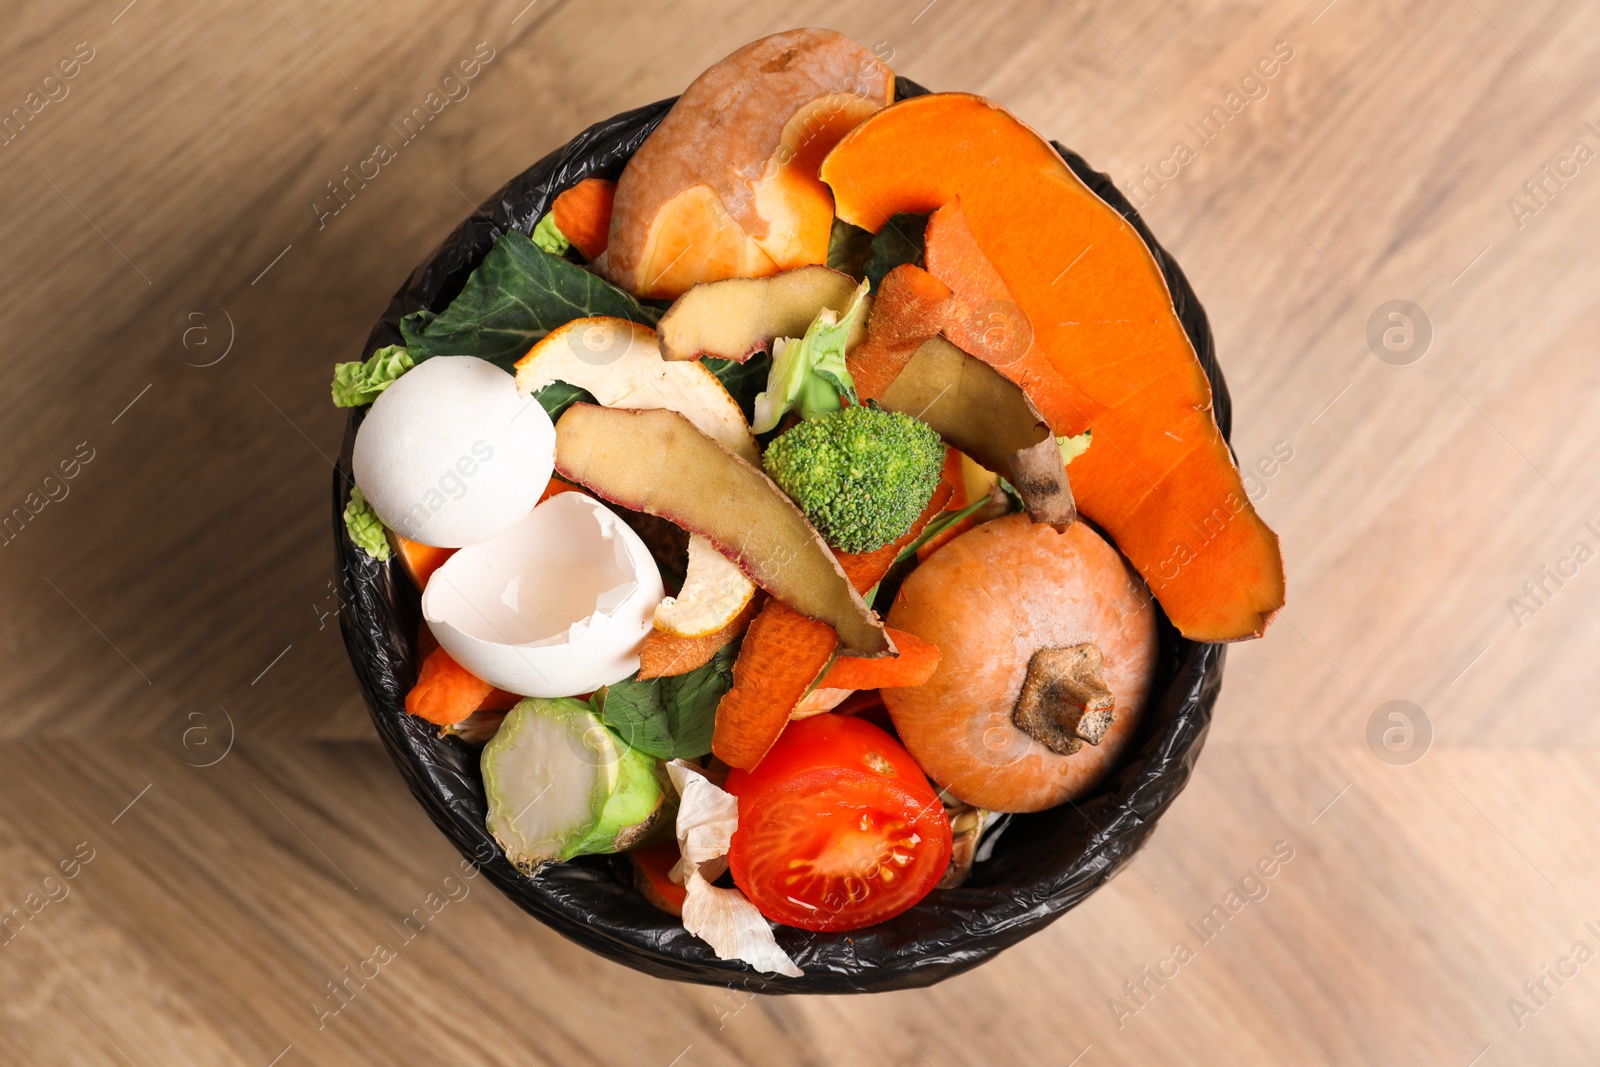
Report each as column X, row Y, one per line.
column 785, row 653
column 583, row 215
column 446, row 692
column 915, row 664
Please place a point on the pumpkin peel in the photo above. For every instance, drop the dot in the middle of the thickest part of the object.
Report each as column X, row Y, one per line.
column 1055, row 290
column 910, row 306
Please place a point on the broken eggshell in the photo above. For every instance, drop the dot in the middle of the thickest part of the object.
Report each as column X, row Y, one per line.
column 450, row 455
column 556, row 606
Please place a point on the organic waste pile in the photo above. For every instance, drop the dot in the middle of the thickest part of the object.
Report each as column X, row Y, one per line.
column 737, row 495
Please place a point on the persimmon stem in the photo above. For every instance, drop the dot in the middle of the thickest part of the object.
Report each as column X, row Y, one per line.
column 1064, row 700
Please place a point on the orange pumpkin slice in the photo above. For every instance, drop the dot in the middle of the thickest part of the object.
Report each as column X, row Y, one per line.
column 1061, row 295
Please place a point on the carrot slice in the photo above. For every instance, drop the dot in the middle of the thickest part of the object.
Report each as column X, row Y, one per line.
column 418, row 559
column 583, row 215
column 446, row 692
column 915, row 664
column 665, row 654
column 784, row 653
column 557, row 487
column 652, row 865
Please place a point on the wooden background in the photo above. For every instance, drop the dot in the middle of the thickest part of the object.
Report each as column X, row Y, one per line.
column 173, row 309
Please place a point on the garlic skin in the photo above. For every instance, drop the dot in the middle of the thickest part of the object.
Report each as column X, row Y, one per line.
column 722, row 918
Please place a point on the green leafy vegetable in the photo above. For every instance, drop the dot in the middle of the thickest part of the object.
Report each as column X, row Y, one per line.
column 548, row 236
column 900, row 241
column 357, row 383
column 848, row 248
column 670, row 718
column 1073, row 447
column 809, row 375
column 743, row 381
column 364, row 526
column 518, row 294
column 559, row 396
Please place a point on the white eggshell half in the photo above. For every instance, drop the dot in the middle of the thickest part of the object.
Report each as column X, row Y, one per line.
column 450, row 455
column 556, row 606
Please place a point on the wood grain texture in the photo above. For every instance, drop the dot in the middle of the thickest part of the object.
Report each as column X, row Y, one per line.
column 181, row 584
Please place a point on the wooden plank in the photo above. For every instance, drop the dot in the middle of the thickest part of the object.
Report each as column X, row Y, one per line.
column 179, row 579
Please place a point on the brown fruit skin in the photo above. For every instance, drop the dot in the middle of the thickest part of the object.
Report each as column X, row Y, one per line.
column 989, row 600
column 983, row 414
column 741, row 148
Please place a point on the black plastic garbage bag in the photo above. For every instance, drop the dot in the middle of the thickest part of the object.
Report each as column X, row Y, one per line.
column 1044, row 864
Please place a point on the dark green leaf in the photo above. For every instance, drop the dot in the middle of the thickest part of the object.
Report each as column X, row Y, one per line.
column 900, row 241
column 848, row 248
column 559, row 396
column 742, row 380
column 670, row 718
column 691, row 701
column 518, row 294
column 633, row 709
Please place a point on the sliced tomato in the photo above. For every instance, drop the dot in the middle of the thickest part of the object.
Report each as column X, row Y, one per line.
column 838, row 827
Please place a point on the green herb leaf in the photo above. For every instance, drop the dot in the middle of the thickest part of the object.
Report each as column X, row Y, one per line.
column 357, row 383
column 691, row 701
column 848, row 248
column 548, row 236
column 364, row 526
column 518, row 294
column 669, row 718
column 632, row 708
column 559, row 396
column 900, row 241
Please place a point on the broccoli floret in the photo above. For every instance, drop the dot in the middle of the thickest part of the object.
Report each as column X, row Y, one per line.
column 861, row 475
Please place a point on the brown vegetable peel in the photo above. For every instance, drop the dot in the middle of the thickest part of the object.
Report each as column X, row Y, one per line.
column 737, row 317
column 989, row 418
